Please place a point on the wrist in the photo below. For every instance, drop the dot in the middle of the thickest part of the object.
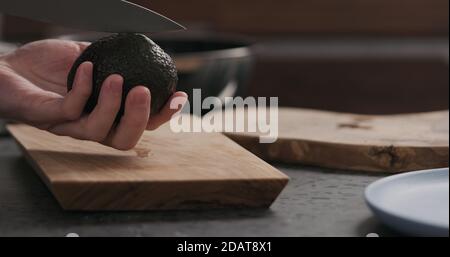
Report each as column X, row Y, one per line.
column 3, row 60
column 10, row 107
column 6, row 60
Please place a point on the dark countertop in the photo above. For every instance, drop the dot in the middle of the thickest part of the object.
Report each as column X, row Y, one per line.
column 317, row 202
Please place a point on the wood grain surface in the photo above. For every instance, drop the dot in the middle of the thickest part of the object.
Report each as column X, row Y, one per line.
column 165, row 171
column 392, row 143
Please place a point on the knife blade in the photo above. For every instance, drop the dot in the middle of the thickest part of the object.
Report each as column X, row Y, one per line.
column 92, row 15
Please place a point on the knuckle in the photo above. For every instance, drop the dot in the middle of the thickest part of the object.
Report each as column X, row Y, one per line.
column 81, row 89
column 85, row 92
column 138, row 119
column 71, row 114
column 153, row 127
column 96, row 137
column 124, row 147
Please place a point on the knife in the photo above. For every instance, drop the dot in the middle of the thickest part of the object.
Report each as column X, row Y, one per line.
column 92, row 15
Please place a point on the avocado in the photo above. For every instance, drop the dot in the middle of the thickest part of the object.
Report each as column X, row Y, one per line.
column 135, row 57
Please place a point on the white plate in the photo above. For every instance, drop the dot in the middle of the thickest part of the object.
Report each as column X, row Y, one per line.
column 415, row 203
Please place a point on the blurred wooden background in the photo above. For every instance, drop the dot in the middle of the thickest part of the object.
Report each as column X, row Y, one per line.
column 365, row 56
column 314, row 17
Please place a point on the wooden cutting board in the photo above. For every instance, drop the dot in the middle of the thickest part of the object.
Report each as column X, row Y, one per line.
column 165, row 171
column 393, row 143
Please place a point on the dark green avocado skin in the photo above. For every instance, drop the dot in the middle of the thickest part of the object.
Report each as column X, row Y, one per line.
column 138, row 59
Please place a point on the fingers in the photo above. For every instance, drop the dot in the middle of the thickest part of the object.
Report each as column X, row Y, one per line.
column 97, row 125
column 75, row 100
column 134, row 121
column 173, row 105
column 101, row 119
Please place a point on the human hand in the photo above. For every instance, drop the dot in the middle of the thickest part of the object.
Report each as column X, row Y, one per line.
column 33, row 90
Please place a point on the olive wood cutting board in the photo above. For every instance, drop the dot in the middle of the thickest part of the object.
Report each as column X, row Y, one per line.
column 392, row 143
column 165, row 171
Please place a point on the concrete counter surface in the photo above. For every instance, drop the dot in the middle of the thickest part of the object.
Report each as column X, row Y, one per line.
column 317, row 202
